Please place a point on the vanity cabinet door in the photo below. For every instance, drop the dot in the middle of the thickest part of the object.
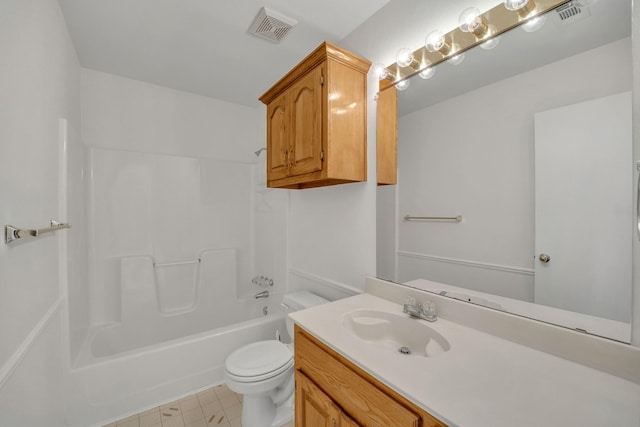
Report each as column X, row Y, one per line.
column 356, row 393
column 347, row 421
column 314, row 408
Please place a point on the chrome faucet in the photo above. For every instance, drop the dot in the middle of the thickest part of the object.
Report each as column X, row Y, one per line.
column 262, row 281
column 426, row 311
column 263, row 294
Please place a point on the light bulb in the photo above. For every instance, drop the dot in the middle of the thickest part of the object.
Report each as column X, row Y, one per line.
column 471, row 21
column 523, row 7
column 491, row 43
column 404, row 57
column 437, row 42
column 515, row 4
column 402, row 85
column 534, row 24
column 380, row 71
column 455, row 60
column 427, row 73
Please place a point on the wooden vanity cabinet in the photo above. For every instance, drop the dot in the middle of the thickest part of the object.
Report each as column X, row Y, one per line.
column 332, row 391
column 317, row 121
column 317, row 409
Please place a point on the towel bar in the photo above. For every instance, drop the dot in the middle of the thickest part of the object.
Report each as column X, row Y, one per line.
column 433, row 218
column 12, row 233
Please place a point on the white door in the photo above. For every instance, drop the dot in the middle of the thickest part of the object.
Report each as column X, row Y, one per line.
column 583, row 207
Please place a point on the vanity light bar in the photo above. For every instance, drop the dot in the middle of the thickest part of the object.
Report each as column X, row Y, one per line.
column 499, row 20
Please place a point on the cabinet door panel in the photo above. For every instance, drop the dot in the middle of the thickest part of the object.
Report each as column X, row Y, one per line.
column 306, row 118
column 277, row 135
column 313, row 407
column 354, row 393
column 347, row 421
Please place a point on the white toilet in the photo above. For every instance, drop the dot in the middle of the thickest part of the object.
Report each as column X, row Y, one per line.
column 263, row 372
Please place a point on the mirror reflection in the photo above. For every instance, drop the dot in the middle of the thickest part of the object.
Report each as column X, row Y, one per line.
column 530, row 142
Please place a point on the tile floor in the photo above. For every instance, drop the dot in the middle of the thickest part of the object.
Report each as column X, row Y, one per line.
column 217, row 406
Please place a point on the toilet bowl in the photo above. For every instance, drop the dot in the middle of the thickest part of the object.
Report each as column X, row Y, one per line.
column 263, row 372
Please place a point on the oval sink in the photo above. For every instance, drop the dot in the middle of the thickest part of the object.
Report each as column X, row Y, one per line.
column 395, row 332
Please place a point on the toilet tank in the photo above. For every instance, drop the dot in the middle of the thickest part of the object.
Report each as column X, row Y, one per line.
column 299, row 301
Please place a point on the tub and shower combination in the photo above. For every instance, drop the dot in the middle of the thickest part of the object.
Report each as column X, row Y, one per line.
column 164, row 319
column 120, row 374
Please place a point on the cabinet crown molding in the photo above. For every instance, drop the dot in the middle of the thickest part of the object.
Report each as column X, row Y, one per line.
column 323, row 52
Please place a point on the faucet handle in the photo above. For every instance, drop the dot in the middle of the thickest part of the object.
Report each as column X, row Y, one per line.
column 409, row 300
column 429, row 308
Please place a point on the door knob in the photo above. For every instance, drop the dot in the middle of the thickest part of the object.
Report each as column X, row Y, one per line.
column 544, row 258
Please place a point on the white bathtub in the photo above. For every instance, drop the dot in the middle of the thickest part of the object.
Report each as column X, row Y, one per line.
column 118, row 374
column 122, row 338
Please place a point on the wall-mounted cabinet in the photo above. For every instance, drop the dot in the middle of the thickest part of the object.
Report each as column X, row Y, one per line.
column 317, row 121
column 331, row 391
column 387, row 134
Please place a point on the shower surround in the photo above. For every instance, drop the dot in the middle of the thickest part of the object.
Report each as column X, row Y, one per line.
column 171, row 255
column 169, row 234
column 176, row 220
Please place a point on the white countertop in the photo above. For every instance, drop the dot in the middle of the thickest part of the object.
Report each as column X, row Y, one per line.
column 482, row 380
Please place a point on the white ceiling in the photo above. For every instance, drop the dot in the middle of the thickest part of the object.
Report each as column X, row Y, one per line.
column 203, row 46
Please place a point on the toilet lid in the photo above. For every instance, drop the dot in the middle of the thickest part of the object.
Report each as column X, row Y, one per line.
column 259, row 360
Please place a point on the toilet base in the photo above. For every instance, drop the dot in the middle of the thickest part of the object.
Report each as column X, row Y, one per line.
column 259, row 411
column 284, row 413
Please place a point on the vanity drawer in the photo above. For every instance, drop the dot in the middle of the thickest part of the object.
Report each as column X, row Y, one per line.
column 362, row 397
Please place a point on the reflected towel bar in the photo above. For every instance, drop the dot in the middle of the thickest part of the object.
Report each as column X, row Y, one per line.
column 433, row 218
column 169, row 264
column 12, row 233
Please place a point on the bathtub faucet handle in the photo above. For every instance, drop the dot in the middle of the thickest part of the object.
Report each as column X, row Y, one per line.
column 262, row 281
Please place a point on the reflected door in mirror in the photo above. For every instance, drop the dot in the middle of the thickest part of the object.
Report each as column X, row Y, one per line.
column 583, row 207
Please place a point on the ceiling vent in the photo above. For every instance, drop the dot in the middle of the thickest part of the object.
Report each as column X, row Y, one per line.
column 271, row 25
column 572, row 12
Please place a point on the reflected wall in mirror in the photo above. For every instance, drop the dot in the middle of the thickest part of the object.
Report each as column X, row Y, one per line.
column 531, row 143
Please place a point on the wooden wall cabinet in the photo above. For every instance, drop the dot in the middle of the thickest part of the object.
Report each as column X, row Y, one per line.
column 317, row 121
column 387, row 134
column 331, row 391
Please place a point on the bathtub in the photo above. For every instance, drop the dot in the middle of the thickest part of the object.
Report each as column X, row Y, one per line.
column 123, row 370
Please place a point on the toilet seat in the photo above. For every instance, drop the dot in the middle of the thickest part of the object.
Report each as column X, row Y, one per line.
column 259, row 361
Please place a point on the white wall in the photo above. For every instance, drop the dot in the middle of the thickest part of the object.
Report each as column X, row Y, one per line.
column 39, row 82
column 332, row 243
column 635, row 35
column 126, row 114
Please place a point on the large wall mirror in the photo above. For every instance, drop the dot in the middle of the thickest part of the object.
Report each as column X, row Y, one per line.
column 530, row 143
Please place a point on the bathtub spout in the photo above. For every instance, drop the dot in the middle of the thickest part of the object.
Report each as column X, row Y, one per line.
column 263, row 294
